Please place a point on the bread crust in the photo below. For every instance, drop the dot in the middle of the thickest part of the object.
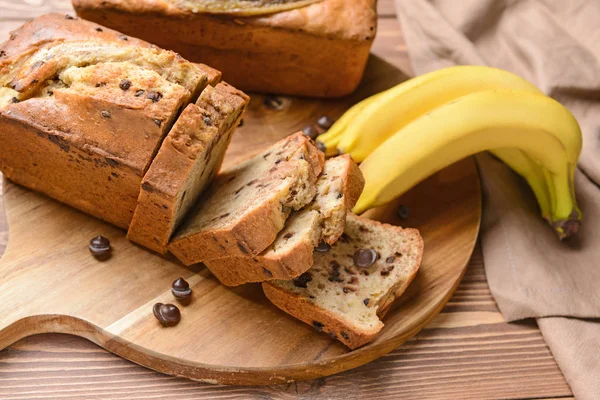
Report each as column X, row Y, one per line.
column 272, row 53
column 161, row 206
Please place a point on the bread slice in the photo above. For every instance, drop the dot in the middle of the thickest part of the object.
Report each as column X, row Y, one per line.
column 291, row 254
column 340, row 298
column 248, row 205
column 185, row 165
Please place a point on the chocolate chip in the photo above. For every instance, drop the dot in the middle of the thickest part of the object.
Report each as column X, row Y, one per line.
column 181, row 290
column 242, row 248
column 224, row 216
column 386, row 271
column 288, row 235
column 344, row 335
column 303, row 280
column 125, row 84
column 323, row 247
column 318, row 325
column 344, row 238
column 348, row 289
column 35, row 80
column 278, row 161
column 273, row 102
column 146, row 186
column 403, row 212
column 366, row 301
column 207, row 120
column 50, row 93
column 241, row 123
column 99, row 29
column 167, row 314
column 111, row 162
column 14, row 100
column 267, row 272
column 310, row 131
column 321, row 146
column 106, row 114
column 390, row 259
column 364, row 258
column 100, row 248
column 340, row 195
column 139, row 93
column 158, row 122
column 2, row 53
column 100, row 84
column 325, row 122
column 122, row 37
column 68, row 17
column 154, row 96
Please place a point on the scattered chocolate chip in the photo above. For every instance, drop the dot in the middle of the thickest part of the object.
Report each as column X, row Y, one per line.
column 146, row 186
column 278, row 161
column 35, row 80
column 2, row 53
column 321, row 146
column 344, row 238
column 273, row 102
column 106, row 114
column 125, row 84
column 364, row 258
column 310, row 131
column 344, row 335
column 154, row 96
column 323, row 247
column 14, row 100
column 390, row 259
column 181, row 290
column 366, row 301
column 50, row 93
column 100, row 84
column 207, row 120
column 122, row 37
column 303, row 280
column 318, row 325
column 158, row 122
column 139, row 93
column 68, row 17
column 100, row 248
column 325, row 122
column 348, row 289
column 403, row 212
column 288, row 235
column 340, row 195
column 267, row 272
column 99, row 29
column 167, row 314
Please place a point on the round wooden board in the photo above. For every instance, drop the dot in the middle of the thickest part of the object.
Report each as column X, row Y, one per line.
column 50, row 283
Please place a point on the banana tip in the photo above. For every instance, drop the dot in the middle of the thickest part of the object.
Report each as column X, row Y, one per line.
column 566, row 228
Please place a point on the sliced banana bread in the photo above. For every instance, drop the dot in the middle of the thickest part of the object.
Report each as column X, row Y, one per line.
column 84, row 109
column 352, row 285
column 185, row 165
column 248, row 205
column 291, row 254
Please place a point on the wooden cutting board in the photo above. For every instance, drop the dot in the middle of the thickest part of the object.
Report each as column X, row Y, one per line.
column 50, row 283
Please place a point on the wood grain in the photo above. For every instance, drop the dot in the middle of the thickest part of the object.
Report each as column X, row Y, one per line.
column 60, row 366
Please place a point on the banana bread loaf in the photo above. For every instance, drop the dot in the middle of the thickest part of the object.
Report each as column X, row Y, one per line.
column 291, row 254
column 185, row 165
column 320, row 49
column 248, row 205
column 353, row 284
column 84, row 109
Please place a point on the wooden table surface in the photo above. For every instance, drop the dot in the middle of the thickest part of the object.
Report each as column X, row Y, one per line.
column 468, row 351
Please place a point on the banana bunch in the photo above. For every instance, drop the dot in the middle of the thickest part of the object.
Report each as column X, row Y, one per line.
column 409, row 132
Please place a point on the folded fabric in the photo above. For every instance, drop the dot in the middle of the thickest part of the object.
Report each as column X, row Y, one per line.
column 556, row 45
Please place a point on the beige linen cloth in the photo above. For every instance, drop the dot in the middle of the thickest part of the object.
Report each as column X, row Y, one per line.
column 556, row 45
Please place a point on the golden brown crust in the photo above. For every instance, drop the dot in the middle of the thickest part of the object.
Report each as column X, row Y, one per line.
column 202, row 130
column 91, row 110
column 273, row 53
column 321, row 319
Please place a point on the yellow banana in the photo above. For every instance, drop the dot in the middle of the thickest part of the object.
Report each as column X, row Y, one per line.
column 535, row 124
column 406, row 102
